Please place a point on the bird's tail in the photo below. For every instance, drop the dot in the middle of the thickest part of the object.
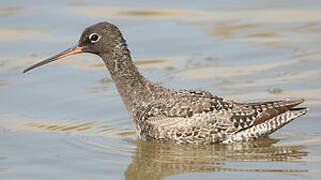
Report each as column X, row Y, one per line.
column 270, row 125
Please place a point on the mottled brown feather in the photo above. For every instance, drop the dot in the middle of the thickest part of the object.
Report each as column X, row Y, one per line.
column 279, row 108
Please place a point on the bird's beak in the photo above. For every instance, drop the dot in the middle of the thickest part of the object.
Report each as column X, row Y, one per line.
column 74, row 50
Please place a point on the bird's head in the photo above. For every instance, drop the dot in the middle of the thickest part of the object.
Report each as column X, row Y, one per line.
column 100, row 38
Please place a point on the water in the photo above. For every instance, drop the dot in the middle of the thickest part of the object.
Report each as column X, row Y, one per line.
column 67, row 121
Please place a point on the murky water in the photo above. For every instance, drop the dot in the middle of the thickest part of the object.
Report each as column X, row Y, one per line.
column 67, row 121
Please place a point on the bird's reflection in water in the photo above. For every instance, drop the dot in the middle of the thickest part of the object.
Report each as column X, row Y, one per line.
column 156, row 160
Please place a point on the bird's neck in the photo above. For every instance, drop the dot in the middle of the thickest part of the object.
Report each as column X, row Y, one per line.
column 133, row 87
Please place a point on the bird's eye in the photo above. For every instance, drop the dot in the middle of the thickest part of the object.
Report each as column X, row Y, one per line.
column 94, row 37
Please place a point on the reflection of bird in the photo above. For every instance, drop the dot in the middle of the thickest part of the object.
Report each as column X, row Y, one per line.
column 179, row 116
column 158, row 160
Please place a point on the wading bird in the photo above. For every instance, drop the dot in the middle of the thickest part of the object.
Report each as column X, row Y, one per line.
column 174, row 115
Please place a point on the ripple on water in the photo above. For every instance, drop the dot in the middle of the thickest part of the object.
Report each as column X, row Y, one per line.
column 92, row 128
column 105, row 136
column 228, row 31
column 3, row 83
column 108, row 127
column 8, row 11
column 300, row 14
column 1, row 168
column 20, row 34
column 157, row 160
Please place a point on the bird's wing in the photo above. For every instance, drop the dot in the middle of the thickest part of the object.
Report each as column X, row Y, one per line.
column 197, row 114
column 251, row 114
column 208, row 115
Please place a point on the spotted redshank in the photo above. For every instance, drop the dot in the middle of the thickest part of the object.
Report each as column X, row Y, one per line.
column 175, row 115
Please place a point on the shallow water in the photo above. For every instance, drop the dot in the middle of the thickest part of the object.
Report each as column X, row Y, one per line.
column 67, row 121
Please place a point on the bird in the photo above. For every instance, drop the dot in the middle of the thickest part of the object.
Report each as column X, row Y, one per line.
column 179, row 116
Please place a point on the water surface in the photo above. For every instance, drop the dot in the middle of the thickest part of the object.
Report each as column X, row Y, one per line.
column 67, row 121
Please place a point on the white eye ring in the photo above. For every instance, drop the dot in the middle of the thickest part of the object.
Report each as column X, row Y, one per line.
column 94, row 37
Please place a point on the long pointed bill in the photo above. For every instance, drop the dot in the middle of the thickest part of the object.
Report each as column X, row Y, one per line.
column 74, row 50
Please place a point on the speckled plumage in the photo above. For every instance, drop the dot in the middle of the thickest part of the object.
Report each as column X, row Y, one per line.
column 181, row 116
column 197, row 117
